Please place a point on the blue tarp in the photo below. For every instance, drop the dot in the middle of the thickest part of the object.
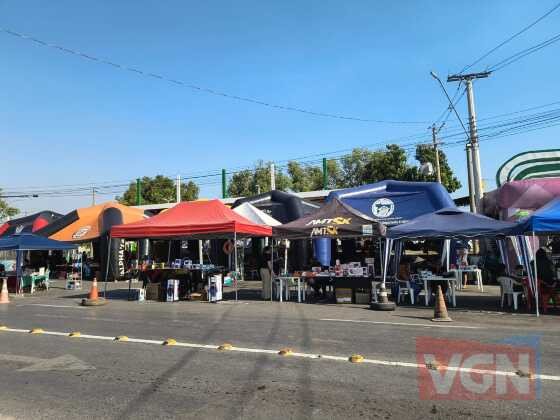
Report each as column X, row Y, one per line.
column 30, row 242
column 543, row 221
column 395, row 202
column 452, row 223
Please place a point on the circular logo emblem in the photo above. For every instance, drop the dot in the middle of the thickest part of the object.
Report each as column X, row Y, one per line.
column 383, row 208
column 81, row 232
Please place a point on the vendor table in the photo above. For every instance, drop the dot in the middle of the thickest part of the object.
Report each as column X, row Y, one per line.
column 189, row 280
column 474, row 270
column 343, row 282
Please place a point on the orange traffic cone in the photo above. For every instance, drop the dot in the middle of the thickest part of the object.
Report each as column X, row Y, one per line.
column 440, row 311
column 93, row 293
column 4, row 294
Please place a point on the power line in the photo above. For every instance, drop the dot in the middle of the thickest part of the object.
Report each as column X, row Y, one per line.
column 198, row 88
column 526, row 28
column 523, row 53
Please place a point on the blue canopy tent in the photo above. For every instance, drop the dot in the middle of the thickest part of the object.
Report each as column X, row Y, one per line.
column 389, row 202
column 544, row 221
column 453, row 223
column 29, row 242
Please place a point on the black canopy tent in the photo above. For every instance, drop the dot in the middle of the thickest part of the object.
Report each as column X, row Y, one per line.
column 334, row 220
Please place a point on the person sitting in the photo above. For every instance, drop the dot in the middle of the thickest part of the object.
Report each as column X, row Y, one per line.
column 404, row 274
column 545, row 269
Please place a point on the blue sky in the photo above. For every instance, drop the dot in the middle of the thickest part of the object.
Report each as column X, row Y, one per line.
column 66, row 120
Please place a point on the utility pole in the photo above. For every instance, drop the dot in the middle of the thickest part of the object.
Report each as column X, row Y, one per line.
column 178, row 193
column 224, row 184
column 472, row 201
column 474, row 149
column 138, row 192
column 93, row 196
column 435, row 142
column 272, row 177
column 325, row 174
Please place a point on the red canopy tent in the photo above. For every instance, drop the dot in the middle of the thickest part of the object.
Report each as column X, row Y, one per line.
column 193, row 219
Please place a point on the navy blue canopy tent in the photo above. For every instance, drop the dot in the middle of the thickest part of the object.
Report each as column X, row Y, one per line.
column 29, row 242
column 395, row 202
column 545, row 221
column 452, row 223
column 389, row 202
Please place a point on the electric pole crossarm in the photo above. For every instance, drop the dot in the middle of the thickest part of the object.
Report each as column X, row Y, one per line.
column 470, row 76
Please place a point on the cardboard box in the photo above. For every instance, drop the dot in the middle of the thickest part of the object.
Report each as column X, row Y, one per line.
column 343, row 295
column 152, row 291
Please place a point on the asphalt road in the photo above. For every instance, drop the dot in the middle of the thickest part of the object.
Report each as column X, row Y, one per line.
column 55, row 376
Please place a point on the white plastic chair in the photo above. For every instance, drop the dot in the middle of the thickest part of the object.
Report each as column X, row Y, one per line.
column 507, row 290
column 404, row 289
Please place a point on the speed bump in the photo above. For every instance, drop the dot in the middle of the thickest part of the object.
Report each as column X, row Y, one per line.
column 121, row 338
column 356, row 358
column 75, row 334
column 225, row 346
column 36, row 331
column 170, row 342
column 286, row 351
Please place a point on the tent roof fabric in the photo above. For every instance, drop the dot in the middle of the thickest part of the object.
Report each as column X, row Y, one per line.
column 250, row 212
column 194, row 219
column 451, row 223
column 30, row 242
column 544, row 220
column 29, row 224
column 85, row 224
column 334, row 220
column 395, row 202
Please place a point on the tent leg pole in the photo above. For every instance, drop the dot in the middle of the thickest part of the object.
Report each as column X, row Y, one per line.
column 271, row 266
column 383, row 303
column 536, row 278
column 235, row 263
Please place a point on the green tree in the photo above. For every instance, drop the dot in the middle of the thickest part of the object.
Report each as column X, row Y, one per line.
column 5, row 209
column 426, row 154
column 250, row 182
column 159, row 189
column 310, row 178
column 354, row 167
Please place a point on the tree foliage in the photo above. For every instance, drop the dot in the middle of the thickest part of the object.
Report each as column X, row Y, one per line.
column 159, row 189
column 362, row 166
column 6, row 210
column 250, row 182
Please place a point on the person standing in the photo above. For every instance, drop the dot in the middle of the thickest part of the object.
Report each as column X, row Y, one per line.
column 265, row 273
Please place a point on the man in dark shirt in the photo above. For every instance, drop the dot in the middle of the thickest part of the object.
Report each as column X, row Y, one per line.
column 545, row 270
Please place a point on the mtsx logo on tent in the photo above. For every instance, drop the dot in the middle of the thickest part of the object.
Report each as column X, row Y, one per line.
column 383, row 207
column 335, row 221
column 81, row 232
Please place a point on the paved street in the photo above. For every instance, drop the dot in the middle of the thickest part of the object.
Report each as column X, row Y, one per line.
column 51, row 375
